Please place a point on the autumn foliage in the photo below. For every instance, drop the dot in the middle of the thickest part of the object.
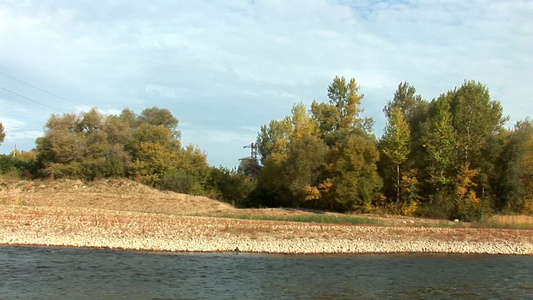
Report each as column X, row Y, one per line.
column 450, row 157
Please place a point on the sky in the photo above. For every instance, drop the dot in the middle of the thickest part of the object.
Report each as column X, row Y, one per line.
column 224, row 68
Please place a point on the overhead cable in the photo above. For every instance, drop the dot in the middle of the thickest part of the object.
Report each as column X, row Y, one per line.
column 40, row 89
column 45, row 105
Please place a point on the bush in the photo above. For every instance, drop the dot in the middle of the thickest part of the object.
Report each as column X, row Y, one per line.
column 233, row 187
column 179, row 181
column 24, row 165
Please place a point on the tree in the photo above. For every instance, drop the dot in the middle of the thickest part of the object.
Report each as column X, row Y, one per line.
column 350, row 180
column 475, row 117
column 346, row 99
column 340, row 115
column 478, row 124
column 91, row 145
column 468, row 205
column 439, row 142
column 232, row 186
column 415, row 110
column 396, row 142
column 129, row 117
column 274, row 138
column 301, row 124
column 407, row 101
column 526, row 206
column 290, row 178
column 292, row 155
column 515, row 168
column 75, row 146
column 2, row 134
column 155, row 152
column 160, row 116
column 60, row 149
column 303, row 167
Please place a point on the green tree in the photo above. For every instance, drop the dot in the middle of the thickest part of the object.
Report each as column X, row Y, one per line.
column 185, row 171
column 326, row 160
column 160, row 116
column 129, row 117
column 154, row 151
column 306, row 157
column 233, row 186
column 351, row 181
column 60, row 149
column 292, row 155
column 340, row 115
column 2, row 133
column 439, row 142
column 19, row 164
column 526, row 206
column 301, row 124
column 75, row 146
column 274, row 138
column 415, row 111
column 290, row 178
column 478, row 124
column 475, row 117
column 515, row 168
column 439, row 159
column 396, row 142
column 406, row 99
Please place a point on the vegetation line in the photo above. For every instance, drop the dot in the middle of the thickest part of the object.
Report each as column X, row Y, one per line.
column 305, row 219
column 447, row 158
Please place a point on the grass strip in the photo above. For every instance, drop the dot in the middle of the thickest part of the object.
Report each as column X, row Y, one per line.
column 306, row 219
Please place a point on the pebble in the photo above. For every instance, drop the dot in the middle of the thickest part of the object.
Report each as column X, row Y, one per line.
column 143, row 231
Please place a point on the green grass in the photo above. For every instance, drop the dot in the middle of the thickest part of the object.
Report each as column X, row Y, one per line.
column 307, row 219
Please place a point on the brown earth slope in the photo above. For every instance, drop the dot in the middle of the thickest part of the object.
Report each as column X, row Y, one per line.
column 127, row 215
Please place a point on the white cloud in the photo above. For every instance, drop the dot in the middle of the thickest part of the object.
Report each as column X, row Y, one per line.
column 155, row 90
column 236, row 64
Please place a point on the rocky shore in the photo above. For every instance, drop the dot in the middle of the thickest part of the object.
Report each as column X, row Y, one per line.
column 88, row 227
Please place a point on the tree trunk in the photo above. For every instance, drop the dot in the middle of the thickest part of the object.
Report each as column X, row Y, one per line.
column 397, row 183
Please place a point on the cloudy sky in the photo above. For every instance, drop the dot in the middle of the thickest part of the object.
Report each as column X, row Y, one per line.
column 224, row 68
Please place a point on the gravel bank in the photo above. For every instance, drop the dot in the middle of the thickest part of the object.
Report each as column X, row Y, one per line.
column 83, row 227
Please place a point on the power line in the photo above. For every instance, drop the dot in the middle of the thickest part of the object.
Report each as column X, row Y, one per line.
column 21, row 131
column 42, row 90
column 45, row 105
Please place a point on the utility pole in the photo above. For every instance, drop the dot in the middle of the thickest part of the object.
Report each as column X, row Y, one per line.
column 250, row 165
column 253, row 150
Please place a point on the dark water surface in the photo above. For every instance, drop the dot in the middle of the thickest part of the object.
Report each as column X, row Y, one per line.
column 71, row 273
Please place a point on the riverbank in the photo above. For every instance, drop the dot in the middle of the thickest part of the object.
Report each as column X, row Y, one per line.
column 90, row 227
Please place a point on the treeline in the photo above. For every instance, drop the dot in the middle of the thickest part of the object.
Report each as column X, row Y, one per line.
column 144, row 147
column 450, row 157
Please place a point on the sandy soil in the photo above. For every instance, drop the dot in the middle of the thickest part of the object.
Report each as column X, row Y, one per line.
column 123, row 214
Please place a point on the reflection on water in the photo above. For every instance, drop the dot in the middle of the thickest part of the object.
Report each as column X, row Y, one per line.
column 70, row 273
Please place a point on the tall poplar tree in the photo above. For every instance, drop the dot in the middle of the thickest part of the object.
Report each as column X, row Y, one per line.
column 414, row 108
column 340, row 116
column 475, row 117
column 439, row 144
column 396, row 142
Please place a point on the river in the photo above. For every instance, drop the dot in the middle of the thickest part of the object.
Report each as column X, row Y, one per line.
column 77, row 273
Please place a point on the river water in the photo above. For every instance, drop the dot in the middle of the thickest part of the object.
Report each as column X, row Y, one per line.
column 73, row 273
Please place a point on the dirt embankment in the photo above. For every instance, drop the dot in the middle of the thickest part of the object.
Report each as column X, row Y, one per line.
column 123, row 214
column 113, row 194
